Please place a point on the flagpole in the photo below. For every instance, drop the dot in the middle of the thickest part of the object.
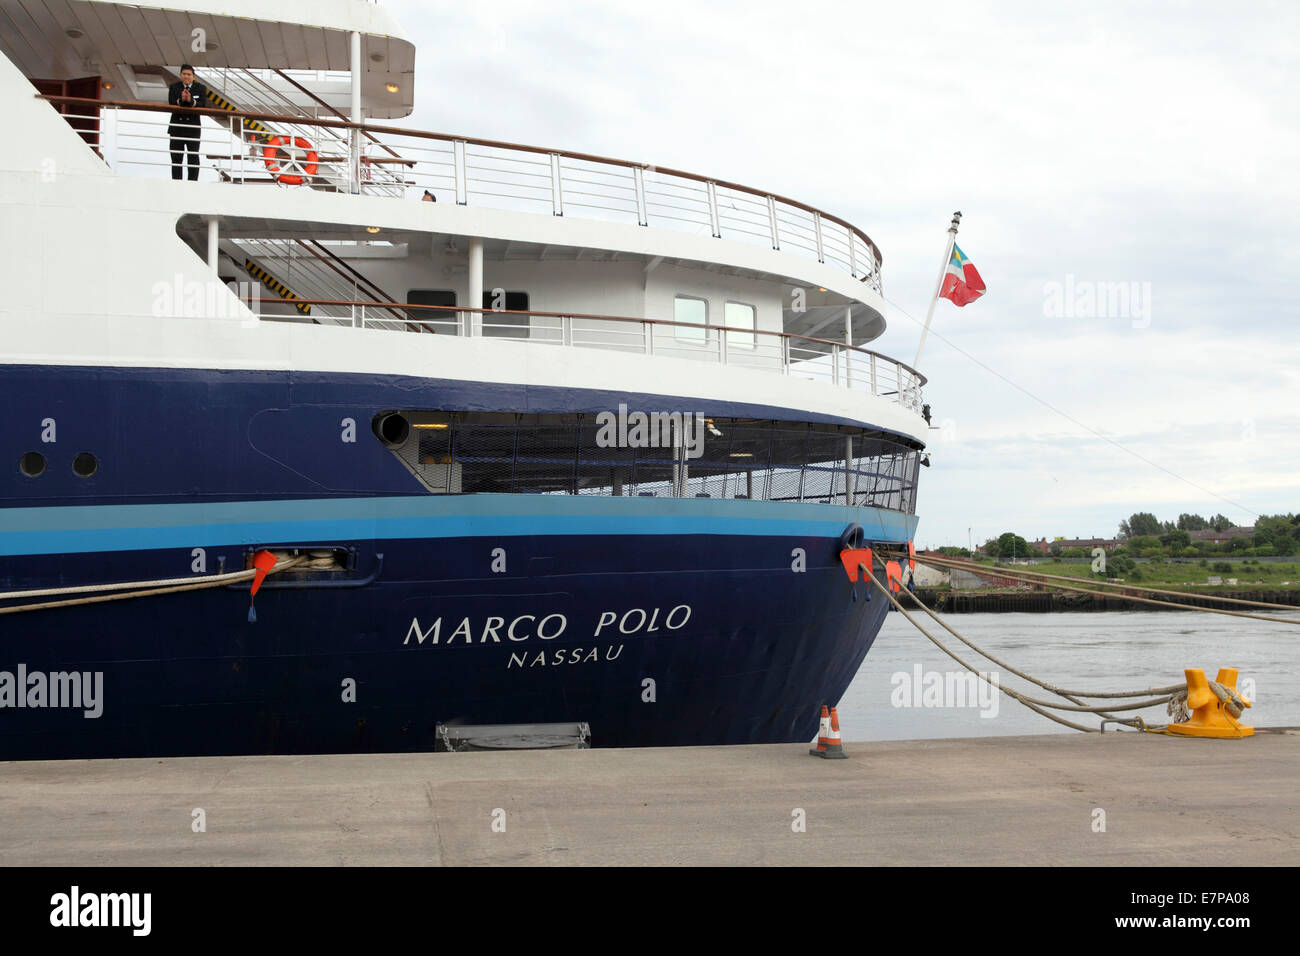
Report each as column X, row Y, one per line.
column 943, row 269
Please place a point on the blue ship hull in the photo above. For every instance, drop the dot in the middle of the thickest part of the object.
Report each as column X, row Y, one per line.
column 659, row 621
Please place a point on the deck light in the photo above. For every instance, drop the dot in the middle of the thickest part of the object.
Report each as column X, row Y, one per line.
column 372, row 229
column 392, row 87
column 431, row 425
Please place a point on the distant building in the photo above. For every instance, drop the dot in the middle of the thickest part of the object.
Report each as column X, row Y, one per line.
column 1060, row 544
column 1219, row 537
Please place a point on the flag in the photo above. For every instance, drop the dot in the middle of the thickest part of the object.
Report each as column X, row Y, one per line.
column 961, row 283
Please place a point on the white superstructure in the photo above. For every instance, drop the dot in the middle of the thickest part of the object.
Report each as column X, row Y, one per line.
column 595, row 253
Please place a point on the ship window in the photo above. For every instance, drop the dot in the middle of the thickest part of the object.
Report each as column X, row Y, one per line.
column 687, row 308
column 32, row 464
column 502, row 325
column 436, row 320
column 752, row 459
column 739, row 315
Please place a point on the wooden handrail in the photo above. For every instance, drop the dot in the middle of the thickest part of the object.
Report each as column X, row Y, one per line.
column 493, row 143
column 344, row 303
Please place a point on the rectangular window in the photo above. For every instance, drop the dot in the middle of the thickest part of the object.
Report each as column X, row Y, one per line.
column 442, row 321
column 694, row 311
column 738, row 315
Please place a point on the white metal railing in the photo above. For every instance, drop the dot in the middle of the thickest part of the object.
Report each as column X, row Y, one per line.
column 237, row 147
column 780, row 353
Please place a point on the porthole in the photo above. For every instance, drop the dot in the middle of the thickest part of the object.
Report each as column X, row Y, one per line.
column 85, row 465
column 32, row 464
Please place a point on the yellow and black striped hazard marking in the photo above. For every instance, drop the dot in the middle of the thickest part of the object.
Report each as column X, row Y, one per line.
column 251, row 125
column 274, row 284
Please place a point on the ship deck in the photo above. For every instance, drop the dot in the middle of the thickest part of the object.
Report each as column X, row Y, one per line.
column 988, row 801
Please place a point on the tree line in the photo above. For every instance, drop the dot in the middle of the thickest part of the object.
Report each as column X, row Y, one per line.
column 1143, row 535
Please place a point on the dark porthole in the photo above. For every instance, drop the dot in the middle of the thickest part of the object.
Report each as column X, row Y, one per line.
column 32, row 464
column 85, row 465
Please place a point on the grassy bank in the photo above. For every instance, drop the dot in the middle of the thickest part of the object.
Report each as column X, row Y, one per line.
column 1283, row 575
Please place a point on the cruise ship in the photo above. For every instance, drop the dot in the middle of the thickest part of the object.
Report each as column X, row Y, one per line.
column 522, row 435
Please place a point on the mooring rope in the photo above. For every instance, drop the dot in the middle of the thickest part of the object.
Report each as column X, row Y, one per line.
column 125, row 585
column 1032, row 703
column 1028, row 577
column 972, row 566
column 1135, row 587
column 1061, row 692
column 149, row 589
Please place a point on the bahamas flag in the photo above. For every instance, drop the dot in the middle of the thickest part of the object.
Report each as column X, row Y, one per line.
column 961, row 283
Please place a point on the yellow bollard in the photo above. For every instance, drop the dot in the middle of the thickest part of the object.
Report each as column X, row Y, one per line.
column 1213, row 716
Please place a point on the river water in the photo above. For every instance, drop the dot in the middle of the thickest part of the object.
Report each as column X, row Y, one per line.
column 1105, row 651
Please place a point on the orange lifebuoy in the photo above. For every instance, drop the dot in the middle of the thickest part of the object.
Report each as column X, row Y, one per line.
column 270, row 153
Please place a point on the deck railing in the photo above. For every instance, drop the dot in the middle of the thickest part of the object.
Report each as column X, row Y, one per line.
column 403, row 163
column 782, row 353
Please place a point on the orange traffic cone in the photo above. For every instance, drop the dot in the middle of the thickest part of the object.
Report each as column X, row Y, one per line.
column 835, row 746
column 823, row 734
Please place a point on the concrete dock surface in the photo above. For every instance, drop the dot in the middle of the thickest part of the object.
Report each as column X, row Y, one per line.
column 986, row 801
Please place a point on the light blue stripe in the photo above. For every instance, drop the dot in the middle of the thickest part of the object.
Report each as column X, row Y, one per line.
column 213, row 524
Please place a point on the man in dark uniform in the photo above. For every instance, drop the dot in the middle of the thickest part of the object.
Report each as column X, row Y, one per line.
column 184, row 129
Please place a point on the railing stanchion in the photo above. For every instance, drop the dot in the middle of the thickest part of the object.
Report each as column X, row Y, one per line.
column 649, row 338
column 557, row 186
column 817, row 232
column 848, row 469
column 722, row 347
column 835, row 364
column 853, row 253
column 874, row 389
column 772, row 222
column 458, row 162
column 785, row 355
column 711, row 191
column 638, row 182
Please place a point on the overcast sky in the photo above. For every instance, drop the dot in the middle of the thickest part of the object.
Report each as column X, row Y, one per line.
column 1098, row 144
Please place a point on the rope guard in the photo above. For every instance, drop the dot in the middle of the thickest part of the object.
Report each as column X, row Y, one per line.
column 853, row 558
column 263, row 561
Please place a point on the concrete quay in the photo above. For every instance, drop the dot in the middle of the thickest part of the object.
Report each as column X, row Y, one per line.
column 984, row 801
